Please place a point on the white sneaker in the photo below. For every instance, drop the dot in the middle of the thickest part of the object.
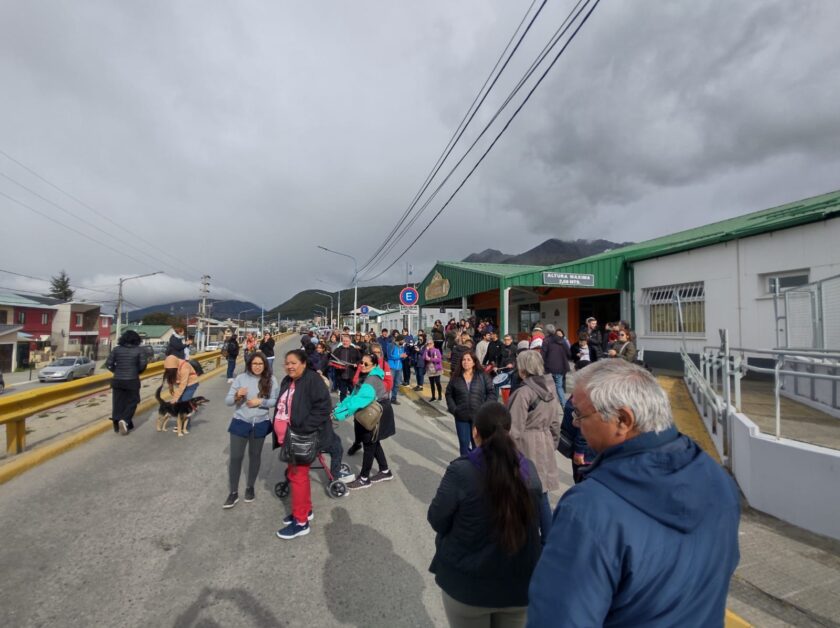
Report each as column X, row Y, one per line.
column 123, row 427
column 230, row 381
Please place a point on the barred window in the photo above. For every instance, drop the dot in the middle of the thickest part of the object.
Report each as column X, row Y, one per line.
column 663, row 315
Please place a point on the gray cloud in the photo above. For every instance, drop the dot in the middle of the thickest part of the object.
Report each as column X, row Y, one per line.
column 237, row 137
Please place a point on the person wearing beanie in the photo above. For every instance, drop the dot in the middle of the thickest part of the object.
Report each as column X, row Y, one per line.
column 126, row 362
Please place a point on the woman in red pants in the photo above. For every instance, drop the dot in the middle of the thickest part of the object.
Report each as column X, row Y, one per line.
column 304, row 403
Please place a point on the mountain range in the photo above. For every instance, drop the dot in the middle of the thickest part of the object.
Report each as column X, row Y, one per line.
column 303, row 305
column 552, row 251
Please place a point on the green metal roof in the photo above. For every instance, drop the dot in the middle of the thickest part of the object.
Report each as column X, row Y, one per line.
column 467, row 278
column 609, row 267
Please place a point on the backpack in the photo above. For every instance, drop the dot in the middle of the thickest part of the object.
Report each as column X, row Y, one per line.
column 199, row 370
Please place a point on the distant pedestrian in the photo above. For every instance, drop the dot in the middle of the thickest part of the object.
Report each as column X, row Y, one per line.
column 557, row 357
column 468, row 388
column 177, row 342
column 369, row 390
column 267, row 349
column 395, row 356
column 433, row 361
column 582, row 455
column 488, row 537
column 230, row 349
column 304, row 403
column 126, row 362
column 623, row 348
column 618, row 547
column 347, row 358
column 253, row 395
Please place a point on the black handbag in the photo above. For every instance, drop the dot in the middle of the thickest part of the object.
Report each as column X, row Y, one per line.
column 566, row 445
column 299, row 448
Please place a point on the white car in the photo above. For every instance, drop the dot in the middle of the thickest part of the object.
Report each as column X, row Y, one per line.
column 213, row 346
column 67, row 369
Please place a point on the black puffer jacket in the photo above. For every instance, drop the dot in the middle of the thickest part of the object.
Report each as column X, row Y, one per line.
column 311, row 407
column 126, row 362
column 463, row 402
column 556, row 355
column 468, row 563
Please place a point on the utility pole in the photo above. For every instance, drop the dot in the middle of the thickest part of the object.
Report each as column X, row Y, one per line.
column 204, row 291
column 120, row 299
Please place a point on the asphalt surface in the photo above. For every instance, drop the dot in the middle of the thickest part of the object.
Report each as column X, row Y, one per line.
column 129, row 531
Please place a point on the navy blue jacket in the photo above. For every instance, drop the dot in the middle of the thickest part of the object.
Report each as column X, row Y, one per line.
column 649, row 538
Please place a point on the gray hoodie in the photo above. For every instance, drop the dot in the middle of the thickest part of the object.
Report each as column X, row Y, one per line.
column 252, row 383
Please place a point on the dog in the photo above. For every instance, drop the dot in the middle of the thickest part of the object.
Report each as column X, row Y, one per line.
column 181, row 410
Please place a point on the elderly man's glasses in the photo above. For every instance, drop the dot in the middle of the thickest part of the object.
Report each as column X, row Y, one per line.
column 577, row 417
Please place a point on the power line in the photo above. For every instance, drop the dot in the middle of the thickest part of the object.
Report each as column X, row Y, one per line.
column 496, row 139
column 79, row 218
column 558, row 34
column 9, row 272
column 461, row 128
column 93, row 209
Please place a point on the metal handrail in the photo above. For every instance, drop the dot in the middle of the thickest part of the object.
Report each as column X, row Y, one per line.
column 15, row 409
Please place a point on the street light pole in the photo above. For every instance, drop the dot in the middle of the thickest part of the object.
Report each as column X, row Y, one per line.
column 355, row 281
column 326, row 294
column 120, row 298
column 239, row 318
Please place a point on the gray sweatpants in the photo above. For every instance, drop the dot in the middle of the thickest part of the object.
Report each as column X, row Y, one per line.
column 237, row 454
column 465, row 616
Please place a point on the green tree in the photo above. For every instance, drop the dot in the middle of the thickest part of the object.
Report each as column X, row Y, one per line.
column 60, row 287
column 159, row 318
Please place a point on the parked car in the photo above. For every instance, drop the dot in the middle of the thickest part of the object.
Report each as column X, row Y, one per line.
column 213, row 346
column 66, row 369
column 149, row 352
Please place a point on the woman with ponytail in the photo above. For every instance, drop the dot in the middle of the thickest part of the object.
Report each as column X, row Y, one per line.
column 486, row 516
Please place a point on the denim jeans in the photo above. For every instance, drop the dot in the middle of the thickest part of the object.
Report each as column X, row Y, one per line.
column 397, row 375
column 465, row 441
column 545, row 518
column 231, row 367
column 560, row 384
column 420, row 372
column 189, row 392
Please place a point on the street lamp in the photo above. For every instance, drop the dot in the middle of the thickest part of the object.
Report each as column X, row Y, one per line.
column 120, row 298
column 324, row 307
column 338, row 309
column 239, row 318
column 326, row 294
column 355, row 281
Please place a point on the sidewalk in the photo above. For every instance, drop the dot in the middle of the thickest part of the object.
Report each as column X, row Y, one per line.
column 786, row 577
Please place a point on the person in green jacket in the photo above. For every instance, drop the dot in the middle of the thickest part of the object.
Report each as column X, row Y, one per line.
column 371, row 387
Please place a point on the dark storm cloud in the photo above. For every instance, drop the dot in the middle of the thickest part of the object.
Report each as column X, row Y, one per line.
column 238, row 136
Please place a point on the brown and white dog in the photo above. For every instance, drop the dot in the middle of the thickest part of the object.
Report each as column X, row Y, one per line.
column 181, row 410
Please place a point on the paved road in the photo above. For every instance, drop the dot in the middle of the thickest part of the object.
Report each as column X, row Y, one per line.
column 129, row 531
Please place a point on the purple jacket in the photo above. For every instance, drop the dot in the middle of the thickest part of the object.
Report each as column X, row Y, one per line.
column 434, row 356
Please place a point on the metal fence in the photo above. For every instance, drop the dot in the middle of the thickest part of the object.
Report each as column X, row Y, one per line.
column 808, row 317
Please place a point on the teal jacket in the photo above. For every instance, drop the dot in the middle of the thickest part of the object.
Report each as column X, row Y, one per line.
column 372, row 389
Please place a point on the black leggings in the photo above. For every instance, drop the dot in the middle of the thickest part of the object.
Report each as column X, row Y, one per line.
column 371, row 451
column 434, row 382
column 237, row 455
column 124, row 405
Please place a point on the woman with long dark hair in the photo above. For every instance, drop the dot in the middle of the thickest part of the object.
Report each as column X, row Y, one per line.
column 126, row 362
column 253, row 394
column 485, row 514
column 304, row 403
column 369, row 389
column 468, row 388
column 182, row 380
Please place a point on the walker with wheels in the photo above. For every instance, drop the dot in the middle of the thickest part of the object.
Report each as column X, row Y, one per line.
column 335, row 487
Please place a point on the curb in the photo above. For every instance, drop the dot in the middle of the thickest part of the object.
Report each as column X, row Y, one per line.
column 22, row 463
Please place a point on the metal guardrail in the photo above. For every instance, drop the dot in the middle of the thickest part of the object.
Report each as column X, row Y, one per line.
column 15, row 409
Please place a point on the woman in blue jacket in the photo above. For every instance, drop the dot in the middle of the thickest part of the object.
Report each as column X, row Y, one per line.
column 485, row 514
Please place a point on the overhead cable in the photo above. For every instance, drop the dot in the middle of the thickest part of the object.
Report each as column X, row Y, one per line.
column 496, row 139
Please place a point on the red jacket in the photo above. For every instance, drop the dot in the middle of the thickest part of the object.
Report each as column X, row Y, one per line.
column 388, row 380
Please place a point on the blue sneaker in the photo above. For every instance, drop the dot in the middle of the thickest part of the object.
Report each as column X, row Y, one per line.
column 287, row 520
column 345, row 477
column 294, row 529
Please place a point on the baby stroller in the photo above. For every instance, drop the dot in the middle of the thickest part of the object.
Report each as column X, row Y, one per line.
column 335, row 488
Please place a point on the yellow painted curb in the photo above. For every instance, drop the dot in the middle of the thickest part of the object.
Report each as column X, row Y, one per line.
column 16, row 465
column 731, row 620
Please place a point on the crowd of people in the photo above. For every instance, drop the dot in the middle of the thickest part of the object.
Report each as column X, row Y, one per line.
column 646, row 536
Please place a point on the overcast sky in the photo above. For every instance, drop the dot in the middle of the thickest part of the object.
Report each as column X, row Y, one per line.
column 232, row 138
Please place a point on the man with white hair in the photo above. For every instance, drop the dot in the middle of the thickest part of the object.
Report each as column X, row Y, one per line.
column 650, row 536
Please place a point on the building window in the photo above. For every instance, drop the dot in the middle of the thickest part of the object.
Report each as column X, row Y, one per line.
column 782, row 281
column 79, row 320
column 45, row 318
column 663, row 313
column 105, row 322
column 21, row 318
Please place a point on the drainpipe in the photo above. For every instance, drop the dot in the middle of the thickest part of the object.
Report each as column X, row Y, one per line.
column 503, row 311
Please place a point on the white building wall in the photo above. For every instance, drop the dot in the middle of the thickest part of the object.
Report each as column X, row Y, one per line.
column 734, row 274
column 556, row 313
